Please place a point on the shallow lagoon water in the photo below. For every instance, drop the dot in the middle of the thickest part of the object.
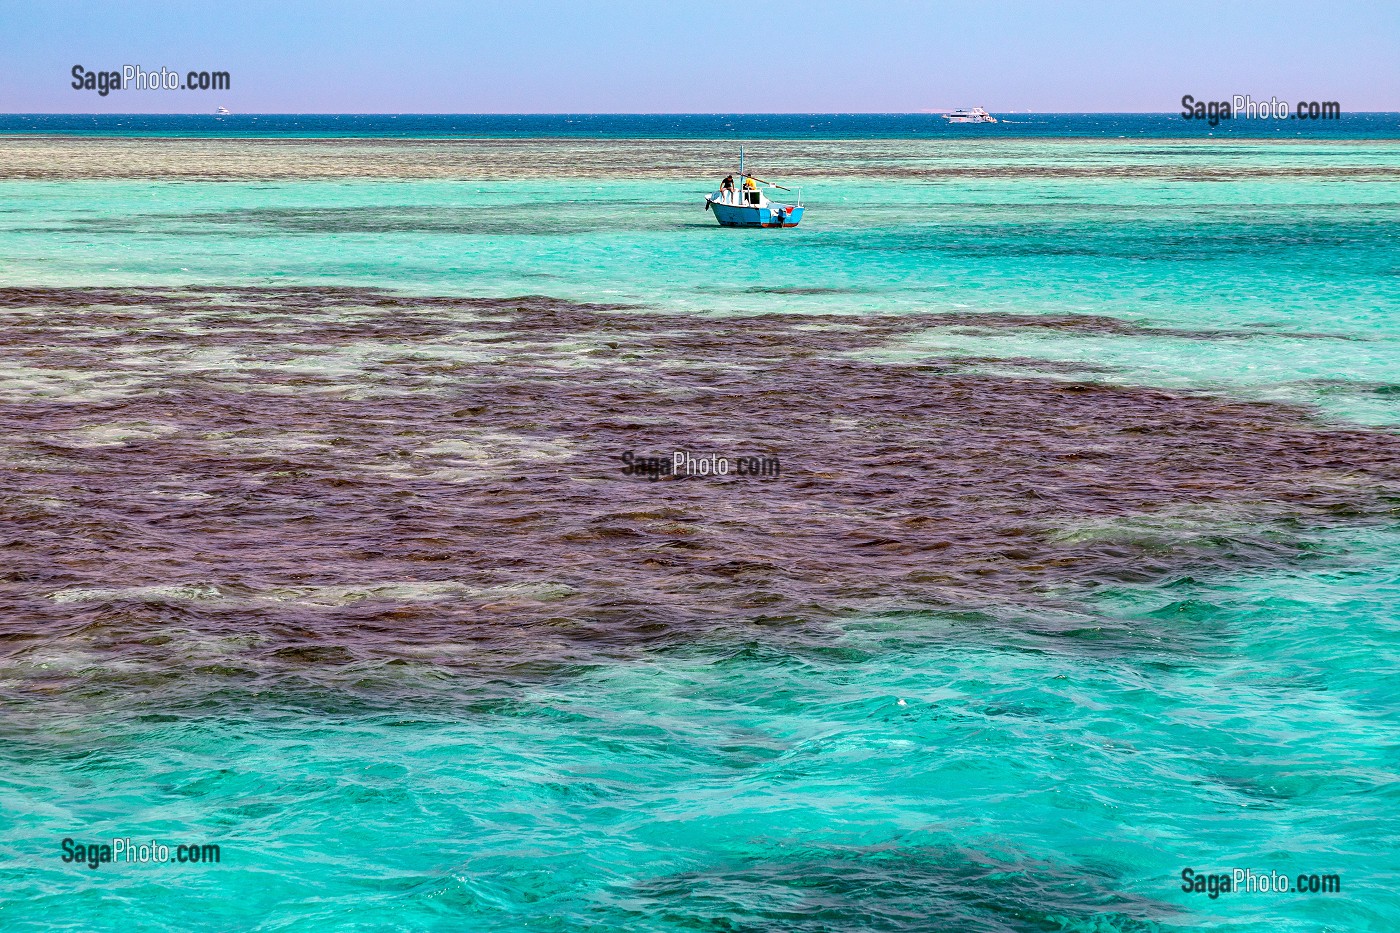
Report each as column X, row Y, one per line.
column 1081, row 570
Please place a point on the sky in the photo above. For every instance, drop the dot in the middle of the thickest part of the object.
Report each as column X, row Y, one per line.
column 677, row 56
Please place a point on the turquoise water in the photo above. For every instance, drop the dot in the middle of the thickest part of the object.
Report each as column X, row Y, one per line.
column 1254, row 242
column 1048, row 758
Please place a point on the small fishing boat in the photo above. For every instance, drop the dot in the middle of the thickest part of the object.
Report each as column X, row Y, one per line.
column 745, row 205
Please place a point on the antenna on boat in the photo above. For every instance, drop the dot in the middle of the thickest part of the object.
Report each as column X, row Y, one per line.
column 755, row 177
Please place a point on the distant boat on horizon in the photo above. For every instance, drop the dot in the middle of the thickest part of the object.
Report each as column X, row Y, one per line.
column 221, row 111
column 975, row 115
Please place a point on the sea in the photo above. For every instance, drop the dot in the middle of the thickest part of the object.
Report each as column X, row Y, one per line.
column 1051, row 583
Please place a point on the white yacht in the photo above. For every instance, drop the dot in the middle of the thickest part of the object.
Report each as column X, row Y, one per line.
column 975, row 115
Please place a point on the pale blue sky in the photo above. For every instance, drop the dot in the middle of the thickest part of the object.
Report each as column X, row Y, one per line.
column 547, row 56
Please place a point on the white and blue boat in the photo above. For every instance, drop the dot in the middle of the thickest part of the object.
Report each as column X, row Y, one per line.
column 746, row 204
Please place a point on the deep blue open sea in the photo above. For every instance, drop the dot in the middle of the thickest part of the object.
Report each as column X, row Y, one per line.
column 708, row 126
column 1078, row 565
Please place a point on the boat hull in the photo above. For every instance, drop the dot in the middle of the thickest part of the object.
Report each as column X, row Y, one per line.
column 741, row 215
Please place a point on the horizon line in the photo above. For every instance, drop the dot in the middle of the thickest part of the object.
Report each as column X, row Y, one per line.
column 609, row 113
